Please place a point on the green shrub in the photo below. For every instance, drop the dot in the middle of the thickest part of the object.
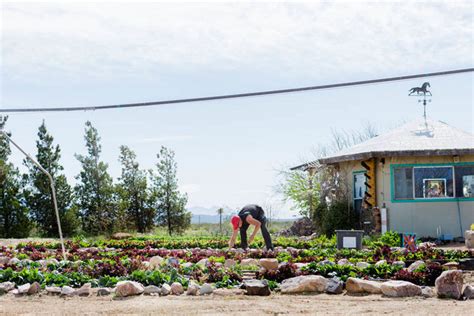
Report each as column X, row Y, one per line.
column 391, row 238
column 227, row 282
column 109, row 281
column 272, row 285
column 337, row 215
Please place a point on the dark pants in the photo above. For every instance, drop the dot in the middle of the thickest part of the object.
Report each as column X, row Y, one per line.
column 265, row 234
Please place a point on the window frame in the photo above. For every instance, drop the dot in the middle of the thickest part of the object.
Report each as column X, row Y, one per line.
column 354, row 174
column 445, row 182
column 460, row 167
column 392, row 183
column 425, row 165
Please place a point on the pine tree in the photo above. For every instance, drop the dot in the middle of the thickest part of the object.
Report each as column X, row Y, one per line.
column 171, row 204
column 39, row 194
column 95, row 191
column 14, row 221
column 135, row 200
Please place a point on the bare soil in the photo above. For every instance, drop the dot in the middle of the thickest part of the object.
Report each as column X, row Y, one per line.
column 276, row 304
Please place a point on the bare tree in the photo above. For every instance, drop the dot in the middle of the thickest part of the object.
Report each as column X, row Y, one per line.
column 328, row 183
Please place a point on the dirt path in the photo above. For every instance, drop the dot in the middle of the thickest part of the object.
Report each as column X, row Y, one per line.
column 276, row 304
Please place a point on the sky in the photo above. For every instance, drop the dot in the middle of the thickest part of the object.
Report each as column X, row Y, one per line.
column 228, row 151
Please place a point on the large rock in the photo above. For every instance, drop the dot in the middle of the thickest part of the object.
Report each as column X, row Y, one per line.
column 355, row 286
column 305, row 283
column 380, row 262
column 427, row 292
column 177, row 288
column 228, row 292
column 205, row 289
column 326, row 262
column 67, row 291
column 34, row 288
column 14, row 261
column 84, row 290
column 300, row 265
column 193, row 289
column 6, row 287
column 165, row 289
column 23, row 289
column 468, row 293
column 362, row 265
column 334, row 286
column 400, row 264
column 156, row 261
column 4, row 260
column 152, row 290
column 344, row 262
column 270, row 264
column 53, row 290
column 466, row 264
column 400, row 289
column 469, row 238
column 203, row 262
column 451, row 265
column 257, row 287
column 121, row 236
column 104, row 291
column 128, row 288
column 449, row 284
column 248, row 262
column 172, row 261
column 415, row 265
column 426, row 244
column 229, row 263
column 146, row 265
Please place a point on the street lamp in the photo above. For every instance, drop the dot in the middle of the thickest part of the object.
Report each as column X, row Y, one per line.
column 51, row 181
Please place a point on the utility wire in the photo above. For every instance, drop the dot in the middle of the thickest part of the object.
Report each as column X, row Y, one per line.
column 239, row 95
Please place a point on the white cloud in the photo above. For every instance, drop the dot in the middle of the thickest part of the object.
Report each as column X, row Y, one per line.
column 164, row 139
column 312, row 39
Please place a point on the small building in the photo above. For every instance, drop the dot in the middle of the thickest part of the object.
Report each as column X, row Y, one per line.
column 421, row 174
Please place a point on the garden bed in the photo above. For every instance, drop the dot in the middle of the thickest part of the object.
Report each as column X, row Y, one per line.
column 151, row 262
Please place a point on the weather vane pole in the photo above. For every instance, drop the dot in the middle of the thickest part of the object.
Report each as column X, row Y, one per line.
column 421, row 91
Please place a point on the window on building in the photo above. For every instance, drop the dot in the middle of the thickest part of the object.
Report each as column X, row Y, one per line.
column 403, row 185
column 359, row 186
column 433, row 182
column 464, row 181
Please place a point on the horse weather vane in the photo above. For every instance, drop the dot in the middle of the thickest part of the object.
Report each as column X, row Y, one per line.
column 421, row 92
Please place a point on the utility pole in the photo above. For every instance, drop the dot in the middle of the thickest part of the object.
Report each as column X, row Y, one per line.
column 220, row 211
column 51, row 181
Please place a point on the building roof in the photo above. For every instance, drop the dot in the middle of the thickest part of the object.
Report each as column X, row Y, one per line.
column 416, row 138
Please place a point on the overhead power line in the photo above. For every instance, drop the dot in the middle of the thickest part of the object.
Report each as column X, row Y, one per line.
column 238, row 95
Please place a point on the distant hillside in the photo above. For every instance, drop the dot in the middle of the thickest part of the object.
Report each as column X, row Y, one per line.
column 206, row 219
column 208, row 215
column 214, row 219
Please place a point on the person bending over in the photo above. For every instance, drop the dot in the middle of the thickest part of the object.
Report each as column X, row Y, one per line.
column 250, row 215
